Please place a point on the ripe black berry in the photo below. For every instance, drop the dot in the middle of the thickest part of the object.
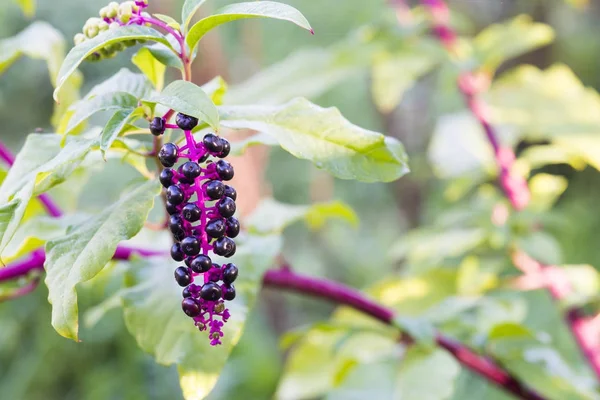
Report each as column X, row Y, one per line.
column 168, row 154
column 225, row 170
column 225, row 247
column 157, row 126
column 210, row 291
column 233, row 227
column 212, row 143
column 186, row 293
column 229, row 292
column 215, row 228
column 214, row 190
column 190, row 170
column 190, row 307
column 226, row 207
column 201, row 264
column 186, row 122
column 230, row 192
column 191, row 212
column 226, row 149
column 183, row 178
column 171, row 208
column 177, row 253
column 182, row 276
column 230, row 273
column 175, row 195
column 190, row 246
column 166, row 177
column 175, row 224
column 179, row 236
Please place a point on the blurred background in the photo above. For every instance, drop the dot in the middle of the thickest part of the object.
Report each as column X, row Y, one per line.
column 36, row 363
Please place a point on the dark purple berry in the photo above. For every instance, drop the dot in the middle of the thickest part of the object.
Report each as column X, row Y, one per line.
column 224, row 247
column 186, row 122
column 215, row 228
column 190, row 170
column 166, row 177
column 226, row 207
column 201, row 264
column 212, row 143
column 230, row 273
column 182, row 177
column 175, row 195
column 171, row 208
column 190, row 246
column 229, row 292
column 230, row 192
column 175, row 224
column 179, row 236
column 168, row 154
column 226, row 148
column 186, row 293
column 210, row 291
column 214, row 190
column 190, row 307
column 182, row 276
column 191, row 212
column 224, row 170
column 176, row 253
column 233, row 227
column 157, row 126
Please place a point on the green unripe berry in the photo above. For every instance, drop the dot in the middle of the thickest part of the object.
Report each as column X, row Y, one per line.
column 130, row 43
column 103, row 26
column 93, row 57
column 79, row 38
column 113, row 25
column 112, row 9
column 104, row 12
column 125, row 12
column 91, row 31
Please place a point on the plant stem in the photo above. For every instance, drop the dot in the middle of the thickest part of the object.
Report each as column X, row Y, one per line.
column 286, row 279
column 515, row 187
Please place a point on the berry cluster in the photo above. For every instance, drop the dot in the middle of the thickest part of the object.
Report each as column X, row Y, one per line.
column 111, row 17
column 201, row 209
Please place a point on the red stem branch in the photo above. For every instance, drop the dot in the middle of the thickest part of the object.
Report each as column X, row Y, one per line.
column 514, row 186
column 340, row 294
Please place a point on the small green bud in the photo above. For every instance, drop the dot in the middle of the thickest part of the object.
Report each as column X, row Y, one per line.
column 92, row 31
column 130, row 43
column 219, row 307
column 104, row 12
column 103, row 26
column 113, row 25
column 112, row 9
column 142, row 41
column 79, row 38
column 94, row 57
column 125, row 12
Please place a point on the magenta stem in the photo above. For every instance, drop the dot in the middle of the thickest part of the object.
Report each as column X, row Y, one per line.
column 340, row 294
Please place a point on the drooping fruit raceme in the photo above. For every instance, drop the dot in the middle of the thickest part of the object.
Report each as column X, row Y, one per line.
column 201, row 208
column 113, row 16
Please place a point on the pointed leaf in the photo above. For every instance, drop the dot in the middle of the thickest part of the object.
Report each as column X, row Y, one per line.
column 254, row 9
column 188, row 10
column 188, row 98
column 325, row 137
column 150, row 66
column 87, row 248
column 125, row 81
column 80, row 52
column 115, row 126
column 215, row 89
column 115, row 101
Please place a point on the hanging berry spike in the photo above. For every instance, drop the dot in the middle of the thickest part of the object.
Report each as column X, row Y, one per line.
column 113, row 16
column 201, row 209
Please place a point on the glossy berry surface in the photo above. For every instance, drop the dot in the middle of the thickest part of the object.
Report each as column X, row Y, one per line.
column 171, row 208
column 186, row 122
column 232, row 227
column 212, row 143
column 201, row 264
column 157, row 126
column 226, row 149
column 190, row 246
column 190, row 170
column 225, row 247
column 191, row 212
column 215, row 190
column 215, row 228
column 229, row 292
column 230, row 192
column 230, row 273
column 166, row 177
column 182, row 276
column 176, row 252
column 224, row 170
column 226, row 207
column 175, row 195
column 210, row 291
column 190, row 307
column 168, row 154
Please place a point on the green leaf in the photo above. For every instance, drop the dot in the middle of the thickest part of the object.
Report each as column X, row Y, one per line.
column 150, row 66
column 165, row 55
column 116, row 125
column 152, row 308
column 501, row 42
column 272, row 216
column 395, row 73
column 188, row 10
column 187, row 98
column 215, row 89
column 418, row 329
column 87, row 248
column 297, row 77
column 325, row 137
column 254, row 9
column 41, row 164
column 170, row 21
column 125, row 81
column 541, row 246
column 115, row 101
column 545, row 104
column 238, row 148
column 78, row 54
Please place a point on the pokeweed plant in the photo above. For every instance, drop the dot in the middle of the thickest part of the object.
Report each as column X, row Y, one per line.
column 200, row 208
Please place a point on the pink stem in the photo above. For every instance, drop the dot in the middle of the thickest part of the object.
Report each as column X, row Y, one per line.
column 285, row 279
